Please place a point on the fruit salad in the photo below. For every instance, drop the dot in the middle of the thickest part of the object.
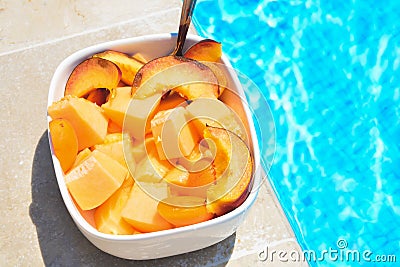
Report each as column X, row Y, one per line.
column 148, row 145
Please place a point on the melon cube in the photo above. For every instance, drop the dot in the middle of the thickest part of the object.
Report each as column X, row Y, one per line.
column 84, row 154
column 86, row 118
column 113, row 137
column 114, row 150
column 115, row 107
column 95, row 180
column 135, row 112
column 173, row 134
column 108, row 215
column 151, row 168
column 121, row 151
column 138, row 115
column 141, row 211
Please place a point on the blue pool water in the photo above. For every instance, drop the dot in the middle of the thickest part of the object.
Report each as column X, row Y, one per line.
column 330, row 72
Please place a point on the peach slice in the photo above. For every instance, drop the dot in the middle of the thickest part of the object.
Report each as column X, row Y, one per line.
column 113, row 127
column 184, row 183
column 177, row 176
column 184, row 210
column 205, row 50
column 235, row 178
column 171, row 100
column 202, row 178
column 217, row 69
column 91, row 74
column 189, row 78
column 65, row 142
column 122, row 84
column 235, row 102
column 98, row 96
column 209, row 53
column 128, row 65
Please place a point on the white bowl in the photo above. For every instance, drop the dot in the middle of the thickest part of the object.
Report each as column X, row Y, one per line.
column 168, row 242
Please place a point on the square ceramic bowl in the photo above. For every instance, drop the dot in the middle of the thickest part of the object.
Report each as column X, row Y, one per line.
column 168, row 242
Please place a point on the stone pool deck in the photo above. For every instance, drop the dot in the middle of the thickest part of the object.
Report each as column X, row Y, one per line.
column 36, row 229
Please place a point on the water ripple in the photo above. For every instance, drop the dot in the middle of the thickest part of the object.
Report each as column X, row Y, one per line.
column 330, row 73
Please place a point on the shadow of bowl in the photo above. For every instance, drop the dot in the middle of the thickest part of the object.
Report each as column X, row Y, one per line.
column 61, row 242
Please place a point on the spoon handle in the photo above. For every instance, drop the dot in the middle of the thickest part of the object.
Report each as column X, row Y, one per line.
column 186, row 18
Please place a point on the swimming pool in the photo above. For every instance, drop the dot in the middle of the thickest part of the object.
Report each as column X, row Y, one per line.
column 330, row 72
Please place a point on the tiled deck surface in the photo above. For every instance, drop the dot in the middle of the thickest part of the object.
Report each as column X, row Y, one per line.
column 35, row 36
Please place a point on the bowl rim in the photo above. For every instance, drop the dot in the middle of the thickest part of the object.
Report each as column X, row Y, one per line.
column 85, row 226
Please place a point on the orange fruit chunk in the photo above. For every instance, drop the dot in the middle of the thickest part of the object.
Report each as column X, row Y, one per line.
column 98, row 96
column 108, row 215
column 205, row 50
column 91, row 74
column 184, row 210
column 113, row 127
column 141, row 212
column 82, row 155
column 93, row 181
column 234, row 169
column 86, row 118
column 65, row 142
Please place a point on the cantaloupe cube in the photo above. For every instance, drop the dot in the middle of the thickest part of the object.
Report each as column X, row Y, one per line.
column 86, row 118
column 120, row 151
column 138, row 151
column 95, row 180
column 113, row 137
column 115, row 107
column 139, row 115
column 84, row 154
column 114, row 150
column 137, row 111
column 151, row 168
column 108, row 215
column 173, row 134
column 119, row 147
column 141, row 211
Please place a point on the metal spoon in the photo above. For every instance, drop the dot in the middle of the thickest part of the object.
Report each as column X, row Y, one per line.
column 186, row 18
